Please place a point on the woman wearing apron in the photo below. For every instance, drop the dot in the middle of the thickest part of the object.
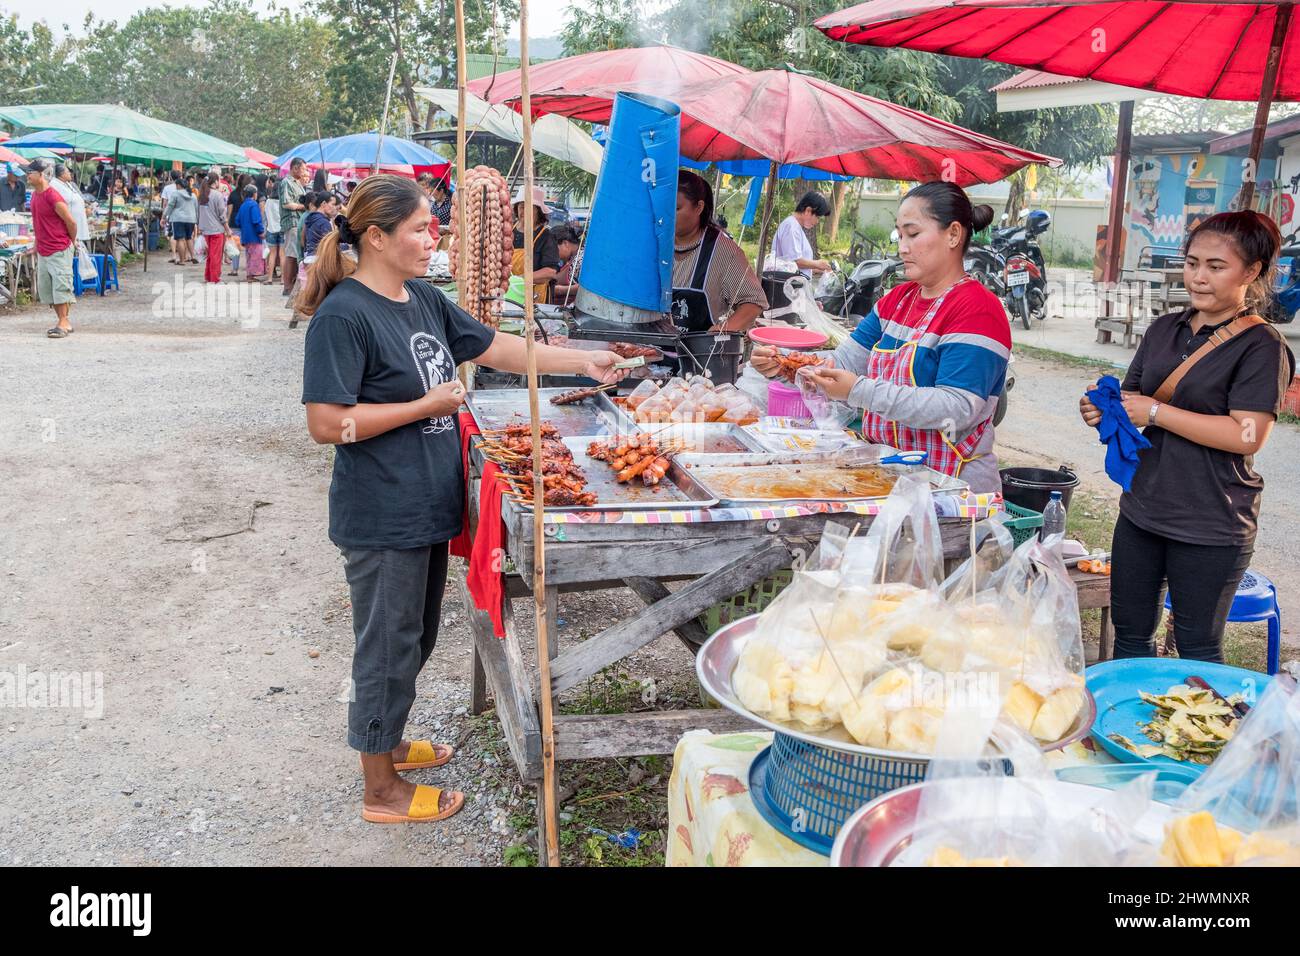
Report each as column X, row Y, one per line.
column 546, row 252
column 714, row 288
column 926, row 366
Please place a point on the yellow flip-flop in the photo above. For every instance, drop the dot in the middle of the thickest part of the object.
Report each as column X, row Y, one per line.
column 423, row 809
column 424, row 754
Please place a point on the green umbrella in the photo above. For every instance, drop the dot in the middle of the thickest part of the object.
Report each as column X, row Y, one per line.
column 98, row 127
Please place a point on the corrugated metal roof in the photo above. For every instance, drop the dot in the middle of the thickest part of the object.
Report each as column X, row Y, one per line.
column 1032, row 79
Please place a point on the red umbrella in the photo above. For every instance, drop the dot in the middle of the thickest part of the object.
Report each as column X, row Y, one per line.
column 791, row 118
column 259, row 157
column 9, row 156
column 666, row 66
column 1227, row 50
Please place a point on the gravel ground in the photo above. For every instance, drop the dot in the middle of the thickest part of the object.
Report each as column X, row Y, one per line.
column 164, row 527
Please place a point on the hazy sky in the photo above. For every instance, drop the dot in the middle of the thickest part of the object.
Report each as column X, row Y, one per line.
column 546, row 16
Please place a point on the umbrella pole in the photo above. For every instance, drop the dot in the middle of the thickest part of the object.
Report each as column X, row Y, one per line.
column 1268, row 89
column 148, row 218
column 112, row 183
column 383, row 119
column 547, row 815
column 767, row 217
column 1118, row 194
column 462, row 247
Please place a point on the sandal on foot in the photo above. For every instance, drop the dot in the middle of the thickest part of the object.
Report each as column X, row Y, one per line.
column 57, row 333
column 424, row 753
column 423, row 809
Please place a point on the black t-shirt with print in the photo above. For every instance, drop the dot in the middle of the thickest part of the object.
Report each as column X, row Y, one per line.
column 404, row 488
column 1184, row 490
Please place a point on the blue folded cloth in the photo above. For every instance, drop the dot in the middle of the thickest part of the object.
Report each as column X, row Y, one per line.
column 1122, row 439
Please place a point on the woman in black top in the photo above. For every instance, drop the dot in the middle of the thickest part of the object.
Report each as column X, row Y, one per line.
column 379, row 383
column 1193, row 507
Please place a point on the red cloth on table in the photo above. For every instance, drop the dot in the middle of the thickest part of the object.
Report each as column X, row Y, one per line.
column 486, row 579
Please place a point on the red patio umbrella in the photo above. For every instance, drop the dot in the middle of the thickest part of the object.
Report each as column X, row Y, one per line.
column 259, row 157
column 1212, row 49
column 9, row 156
column 790, row 118
column 666, row 66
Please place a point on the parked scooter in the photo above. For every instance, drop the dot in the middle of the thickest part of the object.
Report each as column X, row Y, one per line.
column 1025, row 273
column 1286, row 290
column 852, row 297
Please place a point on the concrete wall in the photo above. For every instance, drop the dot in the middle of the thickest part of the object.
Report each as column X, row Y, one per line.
column 1073, row 232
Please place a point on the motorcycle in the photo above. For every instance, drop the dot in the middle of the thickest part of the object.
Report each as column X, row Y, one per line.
column 853, row 296
column 1024, row 279
column 1286, row 290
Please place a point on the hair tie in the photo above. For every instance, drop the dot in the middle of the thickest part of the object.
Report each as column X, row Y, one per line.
column 345, row 229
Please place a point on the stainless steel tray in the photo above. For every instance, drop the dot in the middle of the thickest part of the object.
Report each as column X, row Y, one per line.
column 677, row 490
column 498, row 407
column 705, row 438
column 702, row 467
column 716, row 662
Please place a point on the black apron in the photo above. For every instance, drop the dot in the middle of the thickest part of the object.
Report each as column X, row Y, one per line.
column 691, row 309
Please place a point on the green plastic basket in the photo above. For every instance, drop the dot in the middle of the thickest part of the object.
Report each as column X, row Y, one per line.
column 1024, row 523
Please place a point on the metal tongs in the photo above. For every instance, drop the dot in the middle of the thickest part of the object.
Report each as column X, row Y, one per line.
column 875, row 455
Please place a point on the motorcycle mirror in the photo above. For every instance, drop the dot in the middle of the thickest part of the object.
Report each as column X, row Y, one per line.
column 893, row 236
column 1003, row 219
column 1024, row 213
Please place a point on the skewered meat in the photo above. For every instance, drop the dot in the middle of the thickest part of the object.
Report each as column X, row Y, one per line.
column 656, row 471
column 525, row 430
column 575, row 396
column 790, row 363
column 627, row 350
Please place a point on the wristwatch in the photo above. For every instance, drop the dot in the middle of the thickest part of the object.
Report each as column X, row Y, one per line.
column 1151, row 413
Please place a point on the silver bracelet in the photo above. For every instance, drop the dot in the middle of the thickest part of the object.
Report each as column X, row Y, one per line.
column 1151, row 413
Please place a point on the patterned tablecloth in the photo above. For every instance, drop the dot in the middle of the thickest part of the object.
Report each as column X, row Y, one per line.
column 711, row 816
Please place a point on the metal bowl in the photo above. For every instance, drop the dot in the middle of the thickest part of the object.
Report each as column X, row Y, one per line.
column 717, row 659
column 881, row 830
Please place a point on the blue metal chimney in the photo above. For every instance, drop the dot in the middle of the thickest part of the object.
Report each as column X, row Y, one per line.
column 627, row 265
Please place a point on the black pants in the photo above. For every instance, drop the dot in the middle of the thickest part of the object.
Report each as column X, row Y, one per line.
column 1203, row 580
column 396, row 608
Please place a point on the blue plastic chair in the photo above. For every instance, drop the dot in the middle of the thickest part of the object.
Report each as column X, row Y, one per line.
column 106, row 268
column 1256, row 600
column 80, row 285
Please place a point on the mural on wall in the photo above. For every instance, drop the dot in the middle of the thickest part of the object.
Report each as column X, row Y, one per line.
column 1171, row 193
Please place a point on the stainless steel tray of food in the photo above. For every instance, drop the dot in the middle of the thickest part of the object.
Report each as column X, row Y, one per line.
column 676, row 490
column 784, row 478
column 716, row 662
column 705, row 438
column 501, row 407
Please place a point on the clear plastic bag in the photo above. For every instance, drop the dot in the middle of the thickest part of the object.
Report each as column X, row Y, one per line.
column 1243, row 810
column 646, row 390
column 828, row 415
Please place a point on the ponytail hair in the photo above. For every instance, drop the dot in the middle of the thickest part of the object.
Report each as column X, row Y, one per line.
column 1257, row 239
column 948, row 203
column 383, row 201
column 205, row 190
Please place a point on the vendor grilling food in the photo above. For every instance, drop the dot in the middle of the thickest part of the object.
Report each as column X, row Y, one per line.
column 379, row 383
column 926, row 366
column 546, row 251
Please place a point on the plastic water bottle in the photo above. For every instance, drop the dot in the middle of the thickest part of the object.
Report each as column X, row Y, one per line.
column 1054, row 519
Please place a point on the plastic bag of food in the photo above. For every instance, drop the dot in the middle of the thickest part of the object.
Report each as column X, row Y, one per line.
column 646, row 390
column 712, row 406
column 829, row 415
column 688, row 411
column 1243, row 810
column 654, row 410
column 740, row 413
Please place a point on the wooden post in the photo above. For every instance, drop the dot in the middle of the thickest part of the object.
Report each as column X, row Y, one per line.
column 466, row 370
column 547, row 817
column 148, row 215
column 1118, row 193
column 112, row 183
column 1267, row 90
column 766, row 222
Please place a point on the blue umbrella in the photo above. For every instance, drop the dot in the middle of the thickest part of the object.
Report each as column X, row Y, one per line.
column 358, row 149
column 761, row 167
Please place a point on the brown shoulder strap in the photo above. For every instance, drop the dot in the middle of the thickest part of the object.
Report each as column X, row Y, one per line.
column 1235, row 327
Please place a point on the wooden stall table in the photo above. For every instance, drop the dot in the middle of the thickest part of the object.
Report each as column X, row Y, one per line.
column 721, row 552
column 1094, row 594
column 16, row 271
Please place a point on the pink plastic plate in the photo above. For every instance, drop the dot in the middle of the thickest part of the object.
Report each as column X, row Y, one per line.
column 788, row 338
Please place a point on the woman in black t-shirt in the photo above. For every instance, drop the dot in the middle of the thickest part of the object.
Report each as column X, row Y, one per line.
column 1193, row 508
column 379, row 383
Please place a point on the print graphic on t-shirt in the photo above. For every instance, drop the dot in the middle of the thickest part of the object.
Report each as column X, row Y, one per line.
column 433, row 362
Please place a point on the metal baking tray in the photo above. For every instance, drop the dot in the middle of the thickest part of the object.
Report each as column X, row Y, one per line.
column 710, row 471
column 677, row 490
column 705, row 438
column 499, row 407
column 716, row 662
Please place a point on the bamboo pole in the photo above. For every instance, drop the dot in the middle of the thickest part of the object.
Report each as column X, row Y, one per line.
column 383, row 117
column 466, row 370
column 1267, row 91
column 766, row 222
column 549, row 816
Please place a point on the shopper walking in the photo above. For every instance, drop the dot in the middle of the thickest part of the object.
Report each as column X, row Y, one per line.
column 212, row 226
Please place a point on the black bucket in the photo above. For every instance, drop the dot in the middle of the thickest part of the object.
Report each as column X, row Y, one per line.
column 774, row 288
column 720, row 355
column 1032, row 487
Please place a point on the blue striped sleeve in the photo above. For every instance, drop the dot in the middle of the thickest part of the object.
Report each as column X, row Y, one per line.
column 972, row 363
column 868, row 332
